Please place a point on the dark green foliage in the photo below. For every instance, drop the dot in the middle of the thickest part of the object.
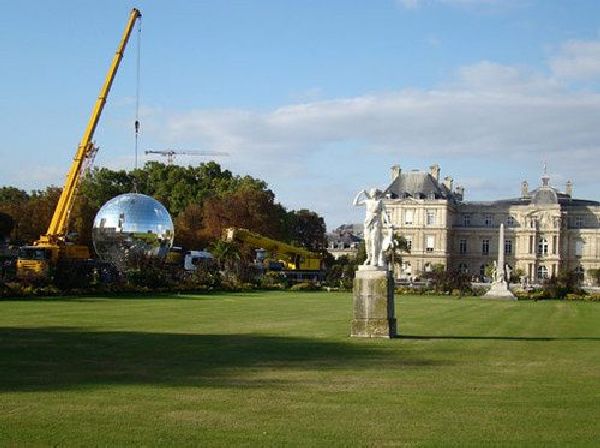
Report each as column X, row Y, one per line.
column 73, row 275
column 558, row 286
column 7, row 223
column 443, row 281
column 341, row 272
column 306, row 229
column 31, row 213
column 150, row 273
column 398, row 247
column 273, row 280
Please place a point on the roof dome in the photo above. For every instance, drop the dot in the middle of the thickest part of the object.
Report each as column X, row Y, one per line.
column 545, row 196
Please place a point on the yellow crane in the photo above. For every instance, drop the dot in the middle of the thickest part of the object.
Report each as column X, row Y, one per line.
column 293, row 258
column 53, row 247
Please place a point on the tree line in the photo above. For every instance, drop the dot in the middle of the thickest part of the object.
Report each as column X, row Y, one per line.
column 203, row 200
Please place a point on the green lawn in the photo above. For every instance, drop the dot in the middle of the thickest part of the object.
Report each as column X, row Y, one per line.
column 278, row 369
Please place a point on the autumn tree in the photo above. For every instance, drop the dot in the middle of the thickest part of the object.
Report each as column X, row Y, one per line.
column 188, row 228
column 248, row 207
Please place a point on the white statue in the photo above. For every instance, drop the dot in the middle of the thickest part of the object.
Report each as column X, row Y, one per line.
column 376, row 219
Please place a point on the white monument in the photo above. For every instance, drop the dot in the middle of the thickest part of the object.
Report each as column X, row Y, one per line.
column 373, row 288
column 499, row 288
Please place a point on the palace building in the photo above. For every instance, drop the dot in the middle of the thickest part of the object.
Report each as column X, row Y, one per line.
column 545, row 230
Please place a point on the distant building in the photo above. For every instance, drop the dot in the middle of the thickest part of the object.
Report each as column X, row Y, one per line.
column 546, row 230
column 345, row 240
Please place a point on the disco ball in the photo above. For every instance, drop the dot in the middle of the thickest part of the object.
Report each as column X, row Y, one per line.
column 131, row 226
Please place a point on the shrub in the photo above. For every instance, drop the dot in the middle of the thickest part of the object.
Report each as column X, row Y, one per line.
column 305, row 286
column 273, row 280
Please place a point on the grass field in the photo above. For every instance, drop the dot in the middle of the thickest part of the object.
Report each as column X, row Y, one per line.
column 278, row 369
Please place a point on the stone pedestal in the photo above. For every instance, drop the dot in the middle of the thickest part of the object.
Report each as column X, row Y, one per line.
column 373, row 303
column 499, row 290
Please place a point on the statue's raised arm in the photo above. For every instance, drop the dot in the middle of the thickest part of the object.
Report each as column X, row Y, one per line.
column 357, row 200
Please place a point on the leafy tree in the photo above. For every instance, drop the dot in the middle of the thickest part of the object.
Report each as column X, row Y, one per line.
column 341, row 272
column 13, row 202
column 558, row 286
column 203, row 200
column 12, row 195
column 227, row 254
column 246, row 207
column 448, row 281
column 33, row 216
column 398, row 246
column 307, row 229
column 7, row 223
column 188, row 228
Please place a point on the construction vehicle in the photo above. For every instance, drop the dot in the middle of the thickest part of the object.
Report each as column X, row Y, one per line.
column 170, row 154
column 53, row 248
column 297, row 263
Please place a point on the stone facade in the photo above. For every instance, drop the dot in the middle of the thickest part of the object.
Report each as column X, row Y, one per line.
column 344, row 240
column 545, row 230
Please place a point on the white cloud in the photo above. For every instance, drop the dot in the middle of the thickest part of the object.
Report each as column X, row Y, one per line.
column 577, row 60
column 490, row 116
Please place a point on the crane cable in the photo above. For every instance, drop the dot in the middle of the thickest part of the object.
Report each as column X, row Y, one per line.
column 137, row 96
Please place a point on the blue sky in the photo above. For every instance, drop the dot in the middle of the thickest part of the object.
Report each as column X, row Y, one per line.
column 318, row 98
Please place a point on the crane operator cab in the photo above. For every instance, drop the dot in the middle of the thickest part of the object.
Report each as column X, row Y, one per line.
column 43, row 260
column 33, row 261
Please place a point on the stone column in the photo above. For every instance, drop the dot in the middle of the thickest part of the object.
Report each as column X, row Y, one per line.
column 373, row 312
column 499, row 288
column 500, row 263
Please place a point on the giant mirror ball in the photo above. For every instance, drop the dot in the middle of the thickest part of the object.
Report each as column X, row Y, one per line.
column 131, row 226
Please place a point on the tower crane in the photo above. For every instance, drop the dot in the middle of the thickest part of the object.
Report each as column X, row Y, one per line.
column 53, row 248
column 170, row 154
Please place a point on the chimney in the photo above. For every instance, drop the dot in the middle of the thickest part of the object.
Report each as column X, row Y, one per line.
column 569, row 189
column 460, row 192
column 395, row 171
column 434, row 170
column 524, row 189
column 448, row 182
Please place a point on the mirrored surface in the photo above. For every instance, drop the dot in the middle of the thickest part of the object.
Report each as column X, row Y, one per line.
column 132, row 226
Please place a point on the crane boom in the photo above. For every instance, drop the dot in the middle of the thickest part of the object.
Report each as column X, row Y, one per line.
column 59, row 224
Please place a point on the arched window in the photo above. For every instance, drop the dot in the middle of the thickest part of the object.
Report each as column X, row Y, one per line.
column 542, row 272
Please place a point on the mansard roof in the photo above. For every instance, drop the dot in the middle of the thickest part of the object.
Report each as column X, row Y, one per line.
column 419, row 185
column 543, row 195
